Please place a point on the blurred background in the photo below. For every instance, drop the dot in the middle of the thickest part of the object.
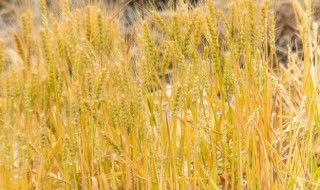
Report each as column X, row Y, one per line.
column 286, row 29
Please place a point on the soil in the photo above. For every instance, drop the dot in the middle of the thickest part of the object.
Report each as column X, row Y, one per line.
column 287, row 33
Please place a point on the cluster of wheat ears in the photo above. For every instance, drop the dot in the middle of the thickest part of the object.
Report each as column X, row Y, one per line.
column 81, row 107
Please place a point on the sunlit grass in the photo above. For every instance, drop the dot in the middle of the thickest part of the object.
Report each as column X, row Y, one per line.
column 81, row 107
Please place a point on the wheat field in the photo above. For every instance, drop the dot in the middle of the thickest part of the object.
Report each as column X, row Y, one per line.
column 196, row 98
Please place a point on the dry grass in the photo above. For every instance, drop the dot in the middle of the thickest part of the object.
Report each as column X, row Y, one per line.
column 81, row 108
